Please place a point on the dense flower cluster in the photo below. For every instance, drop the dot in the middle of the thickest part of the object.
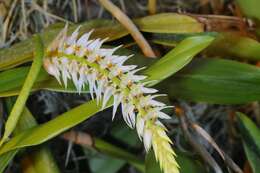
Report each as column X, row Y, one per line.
column 85, row 62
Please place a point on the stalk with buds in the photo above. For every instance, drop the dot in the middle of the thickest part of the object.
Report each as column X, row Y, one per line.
column 85, row 62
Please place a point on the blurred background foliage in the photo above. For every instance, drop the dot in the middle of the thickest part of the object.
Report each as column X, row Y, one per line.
column 213, row 89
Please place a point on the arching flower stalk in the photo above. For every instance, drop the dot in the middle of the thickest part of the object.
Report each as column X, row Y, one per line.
column 85, row 62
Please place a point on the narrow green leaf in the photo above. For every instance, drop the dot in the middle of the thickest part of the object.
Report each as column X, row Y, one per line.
column 252, row 157
column 14, row 78
column 117, row 152
column 171, row 40
column 216, row 81
column 169, row 23
column 27, row 121
column 177, row 58
column 251, row 140
column 44, row 132
column 250, row 132
column 25, row 91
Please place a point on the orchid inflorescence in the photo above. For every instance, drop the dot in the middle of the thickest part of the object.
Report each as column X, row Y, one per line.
column 84, row 62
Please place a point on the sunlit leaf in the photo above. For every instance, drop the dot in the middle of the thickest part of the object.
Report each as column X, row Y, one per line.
column 42, row 133
column 177, row 58
column 169, row 23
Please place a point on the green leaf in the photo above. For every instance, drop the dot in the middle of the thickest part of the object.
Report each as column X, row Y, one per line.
column 25, row 91
column 250, row 132
column 252, row 157
column 234, row 45
column 187, row 164
column 216, row 81
column 169, row 23
column 14, row 78
column 43, row 132
column 119, row 153
column 251, row 140
column 26, row 121
column 172, row 40
column 6, row 158
column 177, row 58
column 250, row 8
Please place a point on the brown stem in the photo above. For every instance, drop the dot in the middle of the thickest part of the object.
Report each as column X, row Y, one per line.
column 196, row 146
column 130, row 26
column 152, row 6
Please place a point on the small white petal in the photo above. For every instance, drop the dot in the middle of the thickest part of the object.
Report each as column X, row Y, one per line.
column 119, row 60
column 140, row 127
column 148, row 90
column 52, row 69
column 163, row 115
column 72, row 39
column 117, row 100
column 64, row 71
column 160, row 124
column 83, row 40
column 107, row 94
column 125, row 108
column 155, row 103
column 131, row 115
column 94, row 45
column 127, row 68
column 147, row 139
column 80, row 84
column 100, row 88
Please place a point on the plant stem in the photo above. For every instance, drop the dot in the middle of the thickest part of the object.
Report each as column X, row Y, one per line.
column 152, row 6
column 130, row 26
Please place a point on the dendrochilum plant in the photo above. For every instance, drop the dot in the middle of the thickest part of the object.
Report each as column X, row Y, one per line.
column 86, row 63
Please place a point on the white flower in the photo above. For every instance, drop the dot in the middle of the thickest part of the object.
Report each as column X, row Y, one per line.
column 85, row 62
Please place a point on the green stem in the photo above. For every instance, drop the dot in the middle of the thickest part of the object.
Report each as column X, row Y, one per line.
column 25, row 91
column 117, row 152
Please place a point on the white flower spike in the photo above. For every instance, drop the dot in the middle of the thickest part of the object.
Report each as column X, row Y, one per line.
column 84, row 62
